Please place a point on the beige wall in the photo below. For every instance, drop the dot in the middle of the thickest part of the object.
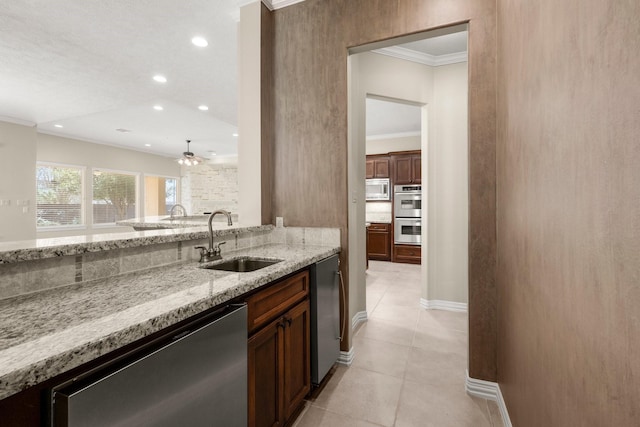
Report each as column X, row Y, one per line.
column 17, row 181
column 568, row 218
column 310, row 47
column 249, row 115
column 385, row 145
column 447, row 184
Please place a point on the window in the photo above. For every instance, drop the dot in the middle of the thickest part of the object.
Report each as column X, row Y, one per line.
column 114, row 196
column 58, row 195
column 160, row 194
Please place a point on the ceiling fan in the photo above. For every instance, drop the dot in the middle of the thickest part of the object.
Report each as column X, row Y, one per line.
column 188, row 158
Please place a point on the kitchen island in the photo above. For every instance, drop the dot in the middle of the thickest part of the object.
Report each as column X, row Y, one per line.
column 44, row 334
column 177, row 221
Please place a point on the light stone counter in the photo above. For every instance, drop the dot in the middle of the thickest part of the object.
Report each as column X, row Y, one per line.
column 47, row 333
column 27, row 250
column 164, row 222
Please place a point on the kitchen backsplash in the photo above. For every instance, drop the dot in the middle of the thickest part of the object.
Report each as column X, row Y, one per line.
column 378, row 212
column 37, row 275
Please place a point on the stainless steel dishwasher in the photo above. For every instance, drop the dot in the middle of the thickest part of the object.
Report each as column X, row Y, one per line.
column 195, row 376
column 325, row 317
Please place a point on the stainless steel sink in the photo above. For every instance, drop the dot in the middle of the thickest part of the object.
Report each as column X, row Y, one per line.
column 242, row 264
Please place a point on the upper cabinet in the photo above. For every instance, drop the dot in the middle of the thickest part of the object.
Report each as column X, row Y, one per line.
column 377, row 167
column 407, row 168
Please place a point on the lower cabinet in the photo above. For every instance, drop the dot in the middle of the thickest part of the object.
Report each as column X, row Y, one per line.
column 407, row 253
column 379, row 241
column 279, row 361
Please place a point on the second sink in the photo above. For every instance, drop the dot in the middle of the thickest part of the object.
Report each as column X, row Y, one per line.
column 242, row 264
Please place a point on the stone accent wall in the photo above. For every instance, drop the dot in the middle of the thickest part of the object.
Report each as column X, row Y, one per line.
column 207, row 187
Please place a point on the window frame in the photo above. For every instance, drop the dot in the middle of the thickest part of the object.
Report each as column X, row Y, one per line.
column 83, row 210
column 138, row 184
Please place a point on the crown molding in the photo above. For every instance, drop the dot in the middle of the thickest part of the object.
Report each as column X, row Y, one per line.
column 17, row 121
column 422, row 58
column 393, row 135
column 279, row 4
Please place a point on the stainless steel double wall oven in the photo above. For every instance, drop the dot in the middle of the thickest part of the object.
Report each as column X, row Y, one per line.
column 408, row 214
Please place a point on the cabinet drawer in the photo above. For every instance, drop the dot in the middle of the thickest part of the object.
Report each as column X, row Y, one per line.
column 377, row 226
column 407, row 253
column 276, row 299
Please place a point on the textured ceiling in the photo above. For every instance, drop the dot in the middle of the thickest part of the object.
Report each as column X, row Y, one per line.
column 88, row 66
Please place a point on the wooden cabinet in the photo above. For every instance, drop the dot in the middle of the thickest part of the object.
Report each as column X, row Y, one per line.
column 407, row 168
column 279, row 351
column 377, row 167
column 379, row 241
column 407, row 253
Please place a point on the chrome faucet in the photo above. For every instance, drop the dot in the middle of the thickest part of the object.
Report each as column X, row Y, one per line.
column 213, row 252
column 173, row 208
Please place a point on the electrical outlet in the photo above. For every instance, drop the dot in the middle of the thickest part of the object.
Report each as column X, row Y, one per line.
column 279, row 221
column 25, row 209
column 5, row 202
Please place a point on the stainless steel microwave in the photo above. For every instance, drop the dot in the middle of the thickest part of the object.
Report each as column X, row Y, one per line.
column 377, row 189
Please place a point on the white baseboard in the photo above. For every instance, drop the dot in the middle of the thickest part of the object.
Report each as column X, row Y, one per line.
column 359, row 317
column 436, row 304
column 346, row 357
column 490, row 391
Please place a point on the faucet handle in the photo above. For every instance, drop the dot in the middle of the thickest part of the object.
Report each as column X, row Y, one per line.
column 216, row 248
column 203, row 252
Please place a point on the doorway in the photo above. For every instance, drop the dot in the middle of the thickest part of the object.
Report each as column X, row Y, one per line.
column 441, row 90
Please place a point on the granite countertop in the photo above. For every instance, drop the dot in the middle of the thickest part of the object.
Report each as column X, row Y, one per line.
column 178, row 221
column 27, row 250
column 50, row 332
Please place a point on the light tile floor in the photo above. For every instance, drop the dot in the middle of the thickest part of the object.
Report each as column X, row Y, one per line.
column 409, row 365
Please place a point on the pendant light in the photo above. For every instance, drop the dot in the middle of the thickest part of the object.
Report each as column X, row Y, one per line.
column 188, row 158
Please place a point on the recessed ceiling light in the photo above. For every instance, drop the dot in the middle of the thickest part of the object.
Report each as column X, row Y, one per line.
column 58, row 126
column 235, row 134
column 159, row 78
column 158, row 107
column 213, row 153
column 200, row 41
column 203, row 108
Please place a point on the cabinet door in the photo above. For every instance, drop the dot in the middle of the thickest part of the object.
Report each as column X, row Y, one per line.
column 266, row 376
column 379, row 246
column 402, row 170
column 381, row 168
column 370, row 168
column 297, row 361
column 417, row 169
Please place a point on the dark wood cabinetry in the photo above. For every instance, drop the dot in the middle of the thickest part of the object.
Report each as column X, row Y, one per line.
column 379, row 242
column 407, row 253
column 279, row 351
column 377, row 167
column 407, row 168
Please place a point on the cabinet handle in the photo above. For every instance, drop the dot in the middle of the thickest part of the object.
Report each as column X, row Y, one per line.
column 280, row 324
column 289, row 320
